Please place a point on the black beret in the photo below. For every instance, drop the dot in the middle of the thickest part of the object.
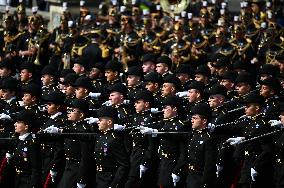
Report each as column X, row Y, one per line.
column 64, row 72
column 197, row 85
column 55, row 97
column 164, row 59
column 149, row 57
column 84, row 82
column 253, row 98
column 202, row 109
column 118, row 87
column 144, row 95
column 50, row 70
column 218, row 90
column 172, row 101
column 32, row 89
column 137, row 71
column 114, row 66
column 108, row 111
column 272, row 82
column 70, row 78
column 153, row 77
column 81, row 104
column 170, row 78
column 269, row 69
column 28, row 117
column 10, row 84
column 204, row 70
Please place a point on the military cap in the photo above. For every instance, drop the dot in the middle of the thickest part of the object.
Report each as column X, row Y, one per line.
column 197, row 85
column 184, row 69
column 253, row 98
column 240, row 65
column 202, row 109
column 28, row 117
column 10, row 84
column 118, row 87
column 164, row 59
column 244, row 78
column 172, row 101
column 49, row 70
column 28, row 66
column 218, row 90
column 109, row 112
column 98, row 65
column 229, row 75
column 55, row 97
column 84, row 82
column 144, row 95
column 65, row 72
column 70, row 78
column 80, row 61
column 269, row 69
column 134, row 70
column 153, row 77
column 7, row 64
column 81, row 104
column 203, row 70
column 170, row 78
column 114, row 66
column 221, row 62
column 32, row 89
column 271, row 82
column 149, row 57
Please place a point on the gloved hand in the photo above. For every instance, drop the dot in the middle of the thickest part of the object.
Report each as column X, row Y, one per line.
column 107, row 103
column 81, row 185
column 91, row 120
column 176, row 179
column 126, row 101
column 235, row 141
column 8, row 157
column 147, row 130
column 155, row 110
column 5, row 117
column 118, row 127
column 275, row 122
column 211, row 126
column 21, row 103
column 142, row 170
column 253, row 174
column 53, row 175
column 219, row 169
column 182, row 94
column 52, row 129
column 94, row 95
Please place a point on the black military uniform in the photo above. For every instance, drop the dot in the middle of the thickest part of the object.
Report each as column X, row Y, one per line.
column 154, row 77
column 69, row 81
column 201, row 153
column 47, row 89
column 132, row 90
column 112, row 159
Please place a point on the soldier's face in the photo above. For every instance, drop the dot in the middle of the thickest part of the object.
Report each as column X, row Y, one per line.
column 193, row 95
column 161, row 68
column 152, row 87
column 52, row 108
column 251, row 109
column 80, row 92
column 182, row 77
column 110, row 75
column 215, row 101
column 200, row 78
column 104, row 124
column 69, row 90
column 4, row 72
column 46, row 79
column 79, row 69
column 133, row 80
column 227, row 83
column 7, row 94
column 167, row 89
column 265, row 91
column 140, row 105
column 28, row 99
column 94, row 73
column 282, row 117
column 116, row 98
column 148, row 66
column 74, row 114
column 25, row 75
column 197, row 122
column 242, row 88
column 20, row 127
column 169, row 111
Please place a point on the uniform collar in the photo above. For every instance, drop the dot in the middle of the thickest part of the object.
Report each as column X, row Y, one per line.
column 24, row 136
column 10, row 100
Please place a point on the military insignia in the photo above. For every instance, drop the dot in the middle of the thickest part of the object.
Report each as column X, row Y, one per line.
column 257, row 126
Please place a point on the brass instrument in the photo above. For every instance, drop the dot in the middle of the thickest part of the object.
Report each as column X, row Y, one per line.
column 174, row 6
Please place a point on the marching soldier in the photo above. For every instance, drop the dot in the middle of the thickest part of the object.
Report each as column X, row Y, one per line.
column 69, row 89
column 134, row 78
column 48, row 79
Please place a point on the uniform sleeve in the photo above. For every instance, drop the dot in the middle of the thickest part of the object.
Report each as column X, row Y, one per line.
column 35, row 164
column 150, row 151
column 182, row 156
column 122, row 160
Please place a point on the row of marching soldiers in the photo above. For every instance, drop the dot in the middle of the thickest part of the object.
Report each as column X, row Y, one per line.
column 202, row 121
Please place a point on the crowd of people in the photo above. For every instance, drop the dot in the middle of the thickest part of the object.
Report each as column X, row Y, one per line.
column 132, row 96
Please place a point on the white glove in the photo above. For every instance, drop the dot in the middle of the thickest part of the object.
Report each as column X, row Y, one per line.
column 155, row 110
column 51, row 129
column 21, row 103
column 5, row 117
column 211, row 126
column 107, row 103
column 126, row 101
column 182, row 94
column 8, row 157
column 53, row 175
column 118, row 127
column 274, row 122
column 142, row 170
column 147, row 130
column 91, row 120
column 176, row 179
column 219, row 169
column 235, row 141
column 94, row 95
column 81, row 185
column 253, row 174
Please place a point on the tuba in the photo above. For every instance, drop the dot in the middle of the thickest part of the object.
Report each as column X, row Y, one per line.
column 174, row 6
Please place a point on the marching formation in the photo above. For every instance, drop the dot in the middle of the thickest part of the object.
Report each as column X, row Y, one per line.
column 142, row 95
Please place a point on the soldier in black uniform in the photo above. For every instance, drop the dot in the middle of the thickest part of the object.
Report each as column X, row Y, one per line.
column 69, row 89
column 143, row 159
column 26, row 74
column 163, row 65
column 48, row 79
column 134, row 79
column 112, row 159
column 201, row 150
